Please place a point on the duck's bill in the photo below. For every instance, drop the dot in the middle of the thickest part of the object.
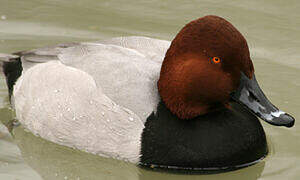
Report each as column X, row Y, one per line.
column 252, row 97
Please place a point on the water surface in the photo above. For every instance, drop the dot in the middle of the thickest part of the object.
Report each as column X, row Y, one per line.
column 271, row 28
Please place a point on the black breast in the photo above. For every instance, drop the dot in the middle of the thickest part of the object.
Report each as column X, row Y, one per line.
column 225, row 138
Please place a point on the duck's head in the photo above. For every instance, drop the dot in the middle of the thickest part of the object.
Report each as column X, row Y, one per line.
column 207, row 66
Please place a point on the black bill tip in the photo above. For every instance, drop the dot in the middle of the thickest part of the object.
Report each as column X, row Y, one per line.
column 285, row 120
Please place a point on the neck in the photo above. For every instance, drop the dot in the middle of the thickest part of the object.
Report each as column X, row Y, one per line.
column 173, row 91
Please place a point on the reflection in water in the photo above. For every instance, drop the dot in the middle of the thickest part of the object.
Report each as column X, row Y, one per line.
column 12, row 165
column 53, row 161
column 249, row 173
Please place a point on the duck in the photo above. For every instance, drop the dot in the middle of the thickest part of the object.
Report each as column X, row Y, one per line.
column 190, row 104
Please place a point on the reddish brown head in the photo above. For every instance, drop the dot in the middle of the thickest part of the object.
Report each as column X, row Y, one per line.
column 203, row 66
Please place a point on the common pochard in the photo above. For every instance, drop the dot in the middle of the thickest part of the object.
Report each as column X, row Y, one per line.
column 193, row 103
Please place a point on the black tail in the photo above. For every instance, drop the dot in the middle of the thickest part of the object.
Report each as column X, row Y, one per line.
column 12, row 70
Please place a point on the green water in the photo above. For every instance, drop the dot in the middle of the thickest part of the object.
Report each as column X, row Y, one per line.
column 271, row 27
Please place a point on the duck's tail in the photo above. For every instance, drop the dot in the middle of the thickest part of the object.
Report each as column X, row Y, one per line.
column 11, row 67
column 6, row 58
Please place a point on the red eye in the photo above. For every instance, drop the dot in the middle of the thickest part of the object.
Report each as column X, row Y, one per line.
column 216, row 60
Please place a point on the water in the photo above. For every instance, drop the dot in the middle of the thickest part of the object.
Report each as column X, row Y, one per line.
column 271, row 28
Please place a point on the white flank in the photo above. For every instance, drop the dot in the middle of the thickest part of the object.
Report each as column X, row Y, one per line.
column 91, row 96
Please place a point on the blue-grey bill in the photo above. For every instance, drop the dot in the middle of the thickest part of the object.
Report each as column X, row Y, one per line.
column 252, row 97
